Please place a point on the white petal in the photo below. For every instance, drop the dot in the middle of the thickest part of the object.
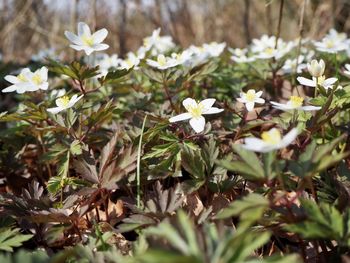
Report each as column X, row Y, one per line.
column 260, row 100
column 198, row 124
column 280, row 106
column 11, row 88
column 12, row 79
column 329, row 82
column 73, row 38
column 289, row 138
column 310, row 108
column 255, row 144
column 212, row 110
column 99, row 47
column 306, row 82
column 207, row 103
column 55, row 110
column 250, row 106
column 100, row 35
column 189, row 102
column 74, row 99
column 43, row 71
column 242, row 100
column 181, row 117
column 44, row 86
column 83, row 28
column 258, row 94
column 77, row 47
column 88, row 50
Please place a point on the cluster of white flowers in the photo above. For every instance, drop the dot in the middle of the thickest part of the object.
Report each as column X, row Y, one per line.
column 333, row 42
column 156, row 49
column 263, row 48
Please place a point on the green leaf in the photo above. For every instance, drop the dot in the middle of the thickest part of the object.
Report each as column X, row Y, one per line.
column 10, row 238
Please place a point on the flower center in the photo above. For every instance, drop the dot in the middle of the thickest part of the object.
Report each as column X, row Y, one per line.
column 63, row 101
column 195, row 110
column 296, row 101
column 22, row 78
column 129, row 63
column 37, row 79
column 269, row 51
column 250, row 95
column 320, row 80
column 271, row 137
column 87, row 40
column 330, row 43
column 161, row 60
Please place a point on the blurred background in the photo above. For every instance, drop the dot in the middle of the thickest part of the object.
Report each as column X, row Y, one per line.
column 28, row 26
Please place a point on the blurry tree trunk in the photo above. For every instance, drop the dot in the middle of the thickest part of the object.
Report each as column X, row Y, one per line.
column 246, row 21
column 73, row 21
column 341, row 13
column 269, row 19
column 122, row 28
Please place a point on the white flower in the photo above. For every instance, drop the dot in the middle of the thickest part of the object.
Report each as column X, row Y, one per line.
column 43, row 54
column 347, row 70
column 38, row 79
column 195, row 112
column 290, row 65
column 28, row 81
column 240, row 55
column 316, row 69
column 333, row 42
column 250, row 98
column 182, row 58
column 265, row 47
column 87, row 41
column 294, row 103
column 64, row 103
column 162, row 62
column 132, row 60
column 270, row 140
column 158, row 44
column 322, row 81
column 214, row 49
column 20, row 83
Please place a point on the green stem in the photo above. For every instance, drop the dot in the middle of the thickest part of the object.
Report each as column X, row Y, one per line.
column 316, row 88
column 139, row 163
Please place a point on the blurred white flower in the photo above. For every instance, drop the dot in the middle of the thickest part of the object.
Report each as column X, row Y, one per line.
column 131, row 60
column 250, row 98
column 333, row 42
column 28, row 81
column 38, row 79
column 265, row 47
column 290, row 65
column 182, row 58
column 87, row 41
column 43, row 54
column 195, row 111
column 315, row 68
column 56, row 93
column 294, row 103
column 20, row 83
column 214, row 49
column 64, row 103
column 240, row 55
column 270, row 141
column 158, row 44
column 162, row 62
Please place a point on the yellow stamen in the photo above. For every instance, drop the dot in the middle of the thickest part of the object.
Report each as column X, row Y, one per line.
column 161, row 60
column 21, row 77
column 37, row 79
column 272, row 136
column 195, row 110
column 296, row 101
column 250, row 95
column 269, row 51
column 87, row 40
column 330, row 43
column 63, row 101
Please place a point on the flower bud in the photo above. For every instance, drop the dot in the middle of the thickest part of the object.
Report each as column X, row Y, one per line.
column 316, row 69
